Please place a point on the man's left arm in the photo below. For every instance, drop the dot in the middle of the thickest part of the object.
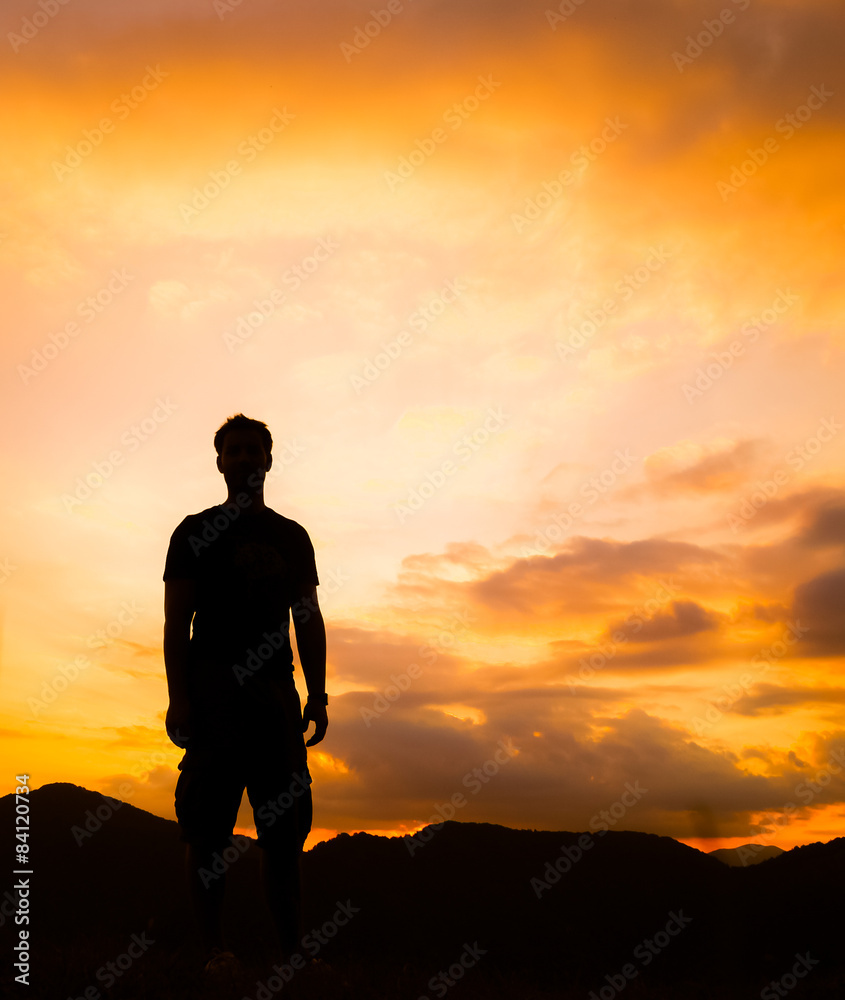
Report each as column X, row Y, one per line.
column 311, row 643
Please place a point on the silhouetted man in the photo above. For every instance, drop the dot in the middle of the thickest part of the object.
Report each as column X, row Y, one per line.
column 237, row 571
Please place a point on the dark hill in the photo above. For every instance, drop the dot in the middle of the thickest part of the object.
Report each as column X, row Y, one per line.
column 747, row 854
column 552, row 911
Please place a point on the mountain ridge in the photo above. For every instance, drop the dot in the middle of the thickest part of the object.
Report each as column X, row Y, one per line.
column 420, row 901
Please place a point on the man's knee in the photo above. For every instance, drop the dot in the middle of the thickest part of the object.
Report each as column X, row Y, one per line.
column 283, row 839
column 200, row 850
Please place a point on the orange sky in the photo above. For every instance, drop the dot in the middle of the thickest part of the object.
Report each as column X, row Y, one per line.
column 545, row 318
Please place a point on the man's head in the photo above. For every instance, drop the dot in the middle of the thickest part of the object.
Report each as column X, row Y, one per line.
column 244, row 452
column 241, row 423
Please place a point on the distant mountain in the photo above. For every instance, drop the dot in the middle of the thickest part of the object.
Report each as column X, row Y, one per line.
column 747, row 854
column 553, row 911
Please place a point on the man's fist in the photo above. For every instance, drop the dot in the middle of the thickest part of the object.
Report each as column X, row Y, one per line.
column 317, row 714
column 177, row 723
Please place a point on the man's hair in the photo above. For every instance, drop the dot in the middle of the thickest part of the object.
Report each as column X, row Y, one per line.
column 241, row 423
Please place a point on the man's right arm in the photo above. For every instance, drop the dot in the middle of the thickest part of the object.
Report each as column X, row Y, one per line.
column 179, row 607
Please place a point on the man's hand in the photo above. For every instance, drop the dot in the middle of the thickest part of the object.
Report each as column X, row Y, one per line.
column 179, row 604
column 311, row 643
column 317, row 714
column 177, row 722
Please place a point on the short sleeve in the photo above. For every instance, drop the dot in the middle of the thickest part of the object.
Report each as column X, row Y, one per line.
column 308, row 562
column 181, row 561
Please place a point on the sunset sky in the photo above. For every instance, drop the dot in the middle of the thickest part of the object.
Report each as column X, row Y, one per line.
column 543, row 308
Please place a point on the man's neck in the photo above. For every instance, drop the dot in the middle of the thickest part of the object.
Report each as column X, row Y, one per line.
column 247, row 502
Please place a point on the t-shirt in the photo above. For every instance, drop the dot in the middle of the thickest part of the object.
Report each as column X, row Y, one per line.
column 249, row 569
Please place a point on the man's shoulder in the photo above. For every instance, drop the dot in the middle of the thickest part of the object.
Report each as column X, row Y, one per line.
column 287, row 528
column 284, row 522
column 201, row 515
column 190, row 520
column 220, row 516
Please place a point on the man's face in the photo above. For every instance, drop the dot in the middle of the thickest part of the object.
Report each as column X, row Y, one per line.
column 243, row 460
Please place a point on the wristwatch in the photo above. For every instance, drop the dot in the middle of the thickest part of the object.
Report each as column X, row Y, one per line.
column 322, row 699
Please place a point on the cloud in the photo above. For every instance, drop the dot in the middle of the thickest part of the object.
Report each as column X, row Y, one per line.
column 769, row 612
column 775, row 699
column 581, row 572
column 804, row 506
column 461, row 558
column 750, row 71
column 153, row 791
column 819, row 604
column 689, row 468
column 570, row 765
column 685, row 618
column 826, row 525
column 372, row 656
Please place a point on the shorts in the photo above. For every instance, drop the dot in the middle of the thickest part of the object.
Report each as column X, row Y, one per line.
column 208, row 797
column 258, row 748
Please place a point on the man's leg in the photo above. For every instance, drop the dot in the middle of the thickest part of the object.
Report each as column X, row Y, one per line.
column 206, row 889
column 280, row 874
column 208, row 794
column 283, row 812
